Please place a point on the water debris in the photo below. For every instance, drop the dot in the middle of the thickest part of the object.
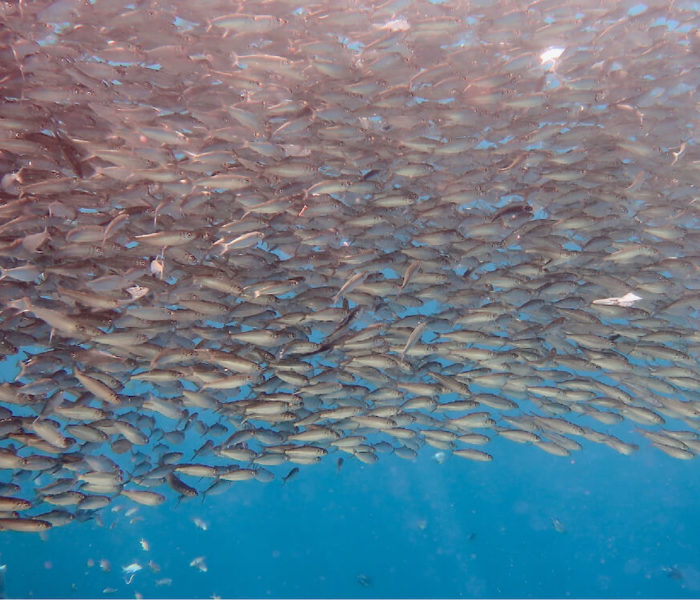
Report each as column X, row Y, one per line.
column 440, row 457
column 673, row 573
column 235, row 244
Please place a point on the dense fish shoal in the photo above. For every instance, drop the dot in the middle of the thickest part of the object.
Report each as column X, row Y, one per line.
column 238, row 242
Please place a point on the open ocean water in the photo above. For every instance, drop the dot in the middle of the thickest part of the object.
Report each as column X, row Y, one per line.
column 349, row 299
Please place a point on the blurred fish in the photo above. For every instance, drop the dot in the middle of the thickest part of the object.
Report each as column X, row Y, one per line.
column 292, row 473
column 558, row 526
column 129, row 572
column 198, row 563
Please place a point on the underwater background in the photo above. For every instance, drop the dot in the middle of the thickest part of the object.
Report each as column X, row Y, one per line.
column 348, row 189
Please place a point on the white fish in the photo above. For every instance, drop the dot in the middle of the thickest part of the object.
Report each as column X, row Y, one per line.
column 198, row 563
column 132, row 568
column 626, row 301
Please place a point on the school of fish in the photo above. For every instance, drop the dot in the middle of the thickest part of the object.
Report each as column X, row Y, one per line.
column 239, row 237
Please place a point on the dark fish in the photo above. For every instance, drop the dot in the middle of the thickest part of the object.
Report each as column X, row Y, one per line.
column 181, row 487
column 292, row 473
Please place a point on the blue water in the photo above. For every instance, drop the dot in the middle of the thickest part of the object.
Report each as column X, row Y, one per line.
column 528, row 524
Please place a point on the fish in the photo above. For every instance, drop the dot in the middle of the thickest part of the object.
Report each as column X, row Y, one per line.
column 25, row 525
column 199, row 563
column 132, row 568
column 129, row 572
column 292, row 473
